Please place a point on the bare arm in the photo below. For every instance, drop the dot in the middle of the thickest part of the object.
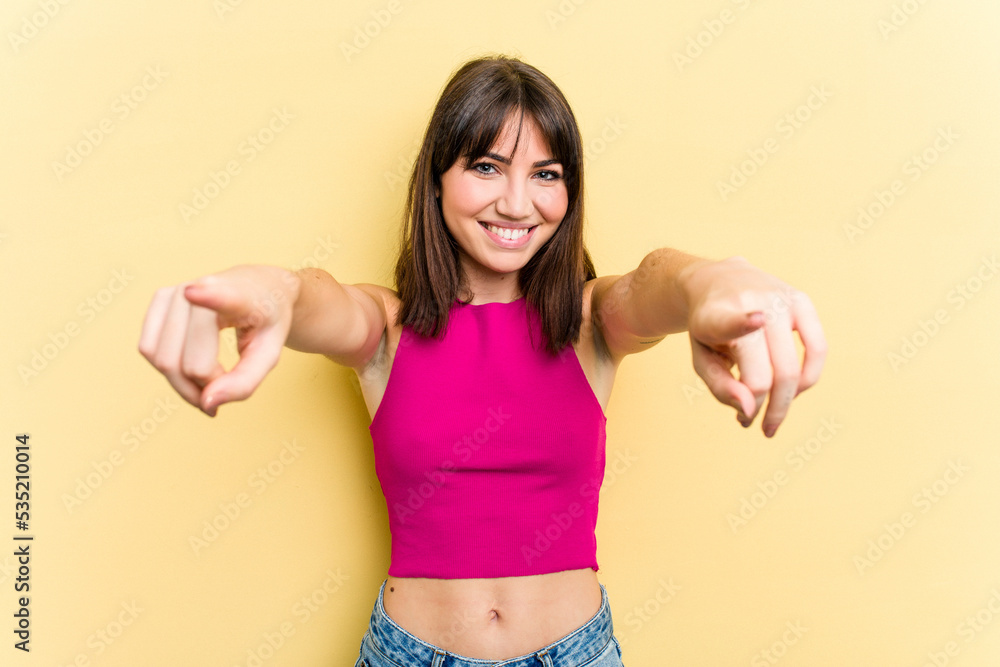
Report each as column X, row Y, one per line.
column 343, row 322
column 736, row 315
column 637, row 310
column 269, row 307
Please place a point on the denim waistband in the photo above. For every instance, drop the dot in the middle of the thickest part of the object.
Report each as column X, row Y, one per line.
column 400, row 646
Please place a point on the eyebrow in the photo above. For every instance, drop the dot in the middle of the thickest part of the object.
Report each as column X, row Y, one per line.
column 504, row 160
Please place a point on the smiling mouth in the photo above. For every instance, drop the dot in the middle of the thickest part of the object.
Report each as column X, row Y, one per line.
column 507, row 233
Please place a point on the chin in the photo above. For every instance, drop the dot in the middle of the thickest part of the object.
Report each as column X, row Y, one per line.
column 505, row 269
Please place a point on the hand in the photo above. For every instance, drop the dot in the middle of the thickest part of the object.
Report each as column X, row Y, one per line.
column 739, row 315
column 180, row 335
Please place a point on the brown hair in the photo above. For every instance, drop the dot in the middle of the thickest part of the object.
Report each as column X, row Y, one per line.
column 469, row 117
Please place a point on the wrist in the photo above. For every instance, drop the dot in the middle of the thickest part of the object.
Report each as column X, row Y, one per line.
column 688, row 281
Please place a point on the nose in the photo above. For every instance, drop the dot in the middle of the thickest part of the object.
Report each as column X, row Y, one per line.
column 515, row 201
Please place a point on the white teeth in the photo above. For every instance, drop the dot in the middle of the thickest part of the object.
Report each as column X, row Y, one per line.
column 507, row 233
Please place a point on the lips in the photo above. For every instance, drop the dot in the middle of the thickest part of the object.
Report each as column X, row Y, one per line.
column 508, row 237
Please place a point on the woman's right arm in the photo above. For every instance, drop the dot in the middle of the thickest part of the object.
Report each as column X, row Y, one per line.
column 269, row 307
column 343, row 322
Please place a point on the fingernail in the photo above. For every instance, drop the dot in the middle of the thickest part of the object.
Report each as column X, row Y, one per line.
column 753, row 321
column 744, row 422
column 769, row 430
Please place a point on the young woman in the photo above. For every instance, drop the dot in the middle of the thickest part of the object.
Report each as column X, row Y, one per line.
column 487, row 371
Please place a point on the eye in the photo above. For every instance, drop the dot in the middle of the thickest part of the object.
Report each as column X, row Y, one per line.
column 484, row 168
column 549, row 175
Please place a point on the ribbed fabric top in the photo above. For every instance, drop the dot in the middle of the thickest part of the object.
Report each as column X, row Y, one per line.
column 490, row 451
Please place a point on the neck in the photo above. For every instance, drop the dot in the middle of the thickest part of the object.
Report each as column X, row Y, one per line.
column 491, row 294
column 490, row 287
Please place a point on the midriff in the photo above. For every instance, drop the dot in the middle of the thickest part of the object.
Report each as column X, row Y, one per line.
column 493, row 619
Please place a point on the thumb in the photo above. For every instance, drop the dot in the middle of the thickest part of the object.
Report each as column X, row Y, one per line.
column 257, row 359
column 232, row 304
column 724, row 325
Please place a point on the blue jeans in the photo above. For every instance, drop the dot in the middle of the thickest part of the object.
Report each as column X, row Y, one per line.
column 591, row 645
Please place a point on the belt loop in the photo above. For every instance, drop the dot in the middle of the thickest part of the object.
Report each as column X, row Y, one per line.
column 438, row 659
column 544, row 658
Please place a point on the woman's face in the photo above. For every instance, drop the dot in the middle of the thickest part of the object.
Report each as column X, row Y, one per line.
column 501, row 208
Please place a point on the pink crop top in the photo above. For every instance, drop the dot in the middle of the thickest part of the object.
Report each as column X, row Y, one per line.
column 490, row 452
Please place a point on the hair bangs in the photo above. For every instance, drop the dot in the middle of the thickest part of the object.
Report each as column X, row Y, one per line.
column 478, row 128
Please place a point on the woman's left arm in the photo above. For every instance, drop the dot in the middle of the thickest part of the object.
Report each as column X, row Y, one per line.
column 736, row 315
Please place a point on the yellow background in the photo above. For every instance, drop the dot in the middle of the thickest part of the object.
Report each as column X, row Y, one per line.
column 689, row 585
